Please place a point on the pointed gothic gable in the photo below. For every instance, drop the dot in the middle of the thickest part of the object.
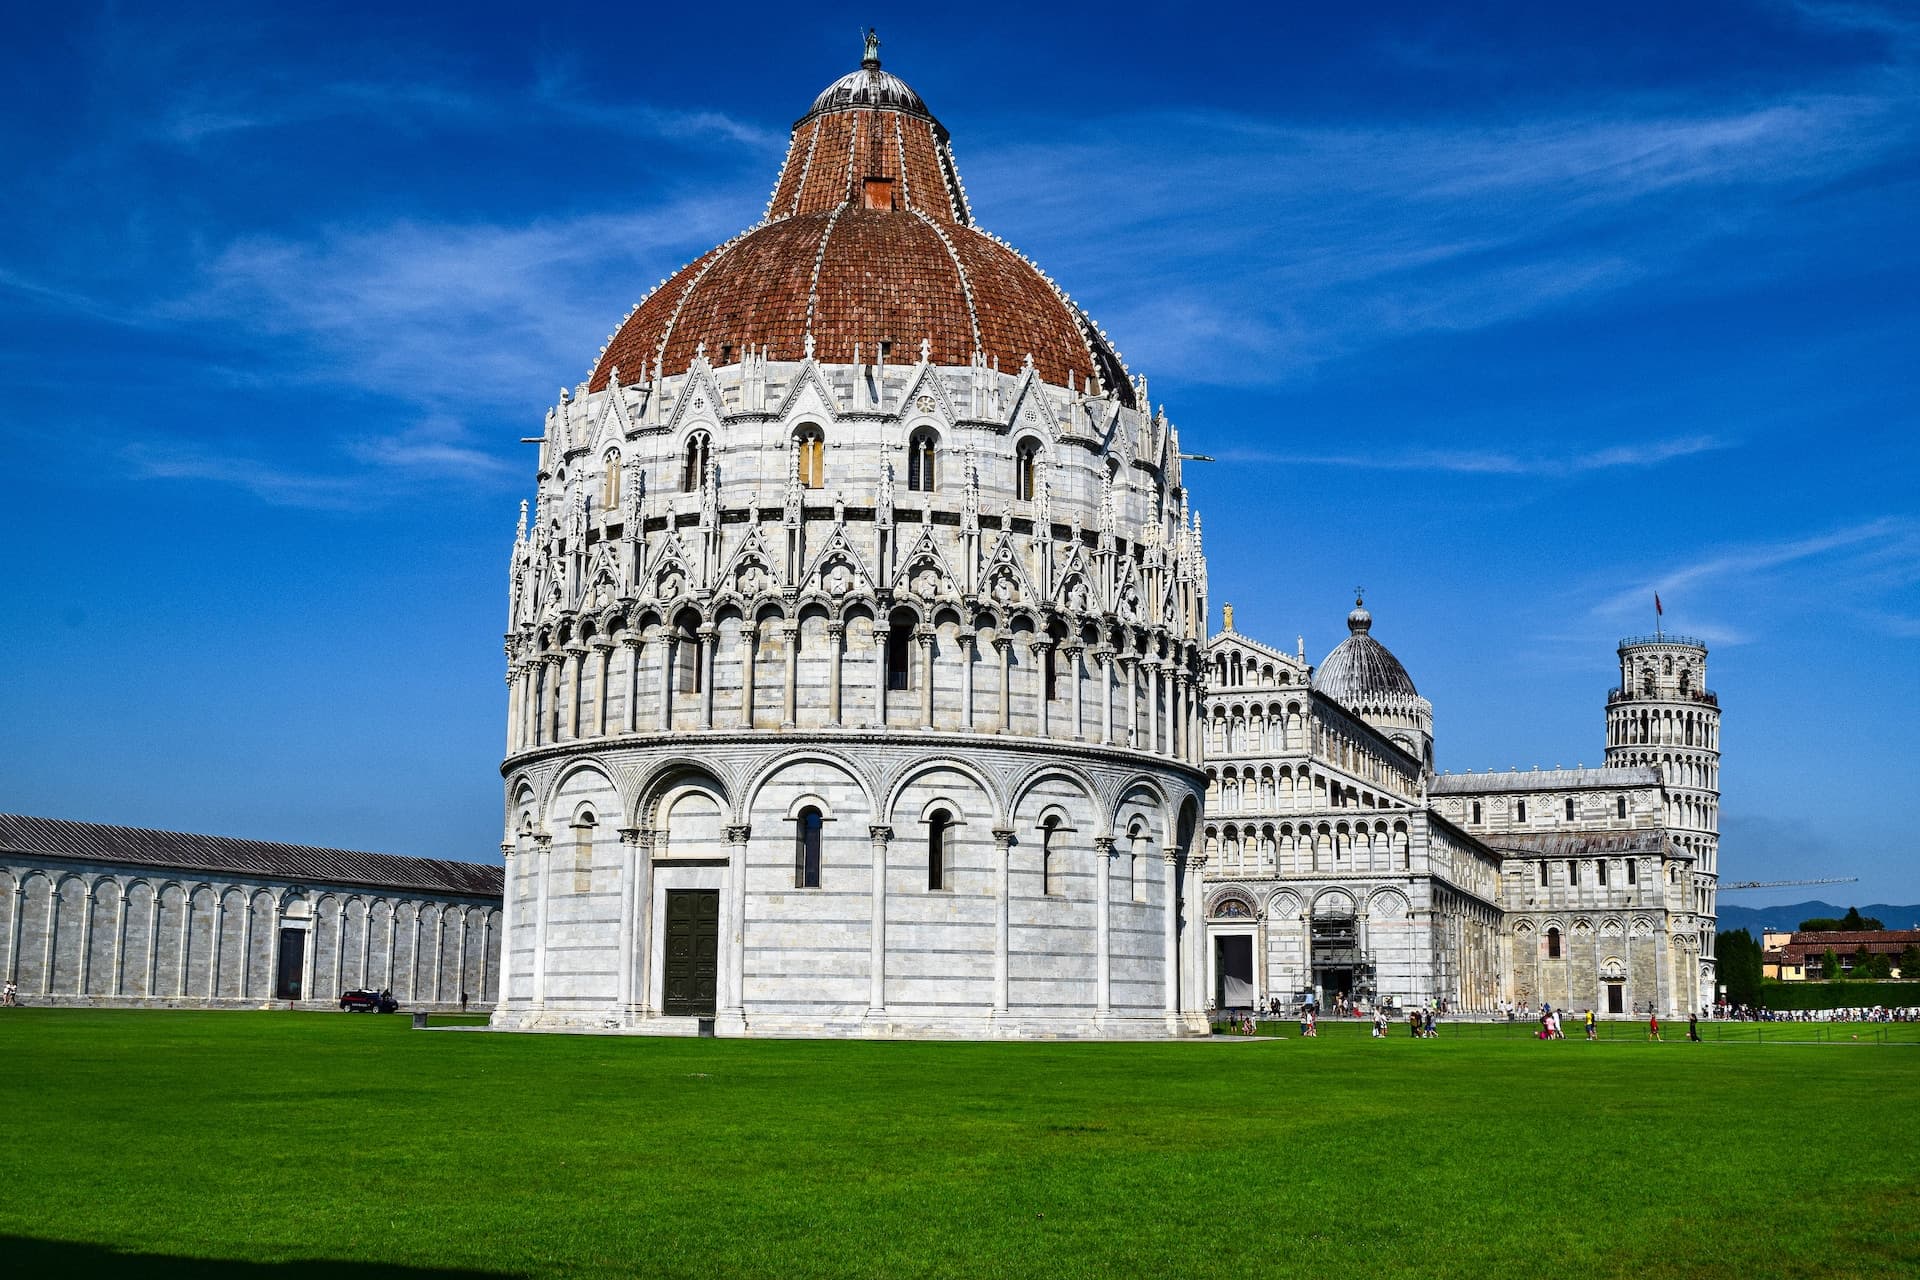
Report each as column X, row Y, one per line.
column 670, row 574
column 750, row 570
column 699, row 399
column 1004, row 579
column 1032, row 408
column 838, row 568
column 602, row 585
column 809, row 393
column 1129, row 601
column 925, row 571
column 1076, row 586
column 926, row 382
column 615, row 420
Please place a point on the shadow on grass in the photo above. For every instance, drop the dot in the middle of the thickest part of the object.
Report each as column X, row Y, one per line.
column 28, row 1257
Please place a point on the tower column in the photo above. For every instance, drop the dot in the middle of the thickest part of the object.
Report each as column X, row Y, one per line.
column 877, row 964
column 836, row 642
column 790, row 708
column 1103, row 926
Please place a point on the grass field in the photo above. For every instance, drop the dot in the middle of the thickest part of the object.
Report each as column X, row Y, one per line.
column 352, row 1145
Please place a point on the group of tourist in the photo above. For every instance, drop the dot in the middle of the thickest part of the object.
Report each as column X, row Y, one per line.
column 1876, row 1013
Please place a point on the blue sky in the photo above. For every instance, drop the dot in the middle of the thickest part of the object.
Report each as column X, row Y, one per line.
column 1512, row 313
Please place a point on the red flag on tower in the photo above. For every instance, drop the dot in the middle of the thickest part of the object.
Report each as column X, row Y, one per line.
column 1656, row 605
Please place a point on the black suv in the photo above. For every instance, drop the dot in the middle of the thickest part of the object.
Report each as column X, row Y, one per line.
column 365, row 1001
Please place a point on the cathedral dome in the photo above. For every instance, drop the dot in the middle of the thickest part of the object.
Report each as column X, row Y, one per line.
column 868, row 249
column 1361, row 670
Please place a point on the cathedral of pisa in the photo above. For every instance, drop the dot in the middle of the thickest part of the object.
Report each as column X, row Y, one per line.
column 859, row 683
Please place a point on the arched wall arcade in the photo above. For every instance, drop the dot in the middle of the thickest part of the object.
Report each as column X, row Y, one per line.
column 93, row 935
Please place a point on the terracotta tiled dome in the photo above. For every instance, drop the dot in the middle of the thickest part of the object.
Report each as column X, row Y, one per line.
column 868, row 239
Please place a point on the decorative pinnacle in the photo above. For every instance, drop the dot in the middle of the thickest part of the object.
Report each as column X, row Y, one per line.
column 870, row 60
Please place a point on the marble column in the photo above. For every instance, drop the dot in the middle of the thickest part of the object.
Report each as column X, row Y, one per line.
column 735, row 931
column 877, row 980
column 749, row 652
column 1005, row 646
column 669, row 652
column 1103, row 924
column 709, row 637
column 1074, row 654
column 790, row 708
column 880, row 635
column 1002, row 889
column 1171, row 928
column 1105, row 656
column 629, row 929
column 603, row 664
column 969, row 650
column 576, row 664
column 1043, row 696
column 632, row 645
column 836, row 644
column 542, row 871
column 924, row 636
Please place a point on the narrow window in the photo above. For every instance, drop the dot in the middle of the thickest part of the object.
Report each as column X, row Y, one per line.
column 939, row 824
column 1631, row 874
column 1026, row 465
column 686, row 662
column 695, row 469
column 900, row 656
column 1601, row 870
column 1553, row 944
column 806, row 849
column 583, row 852
column 610, row 484
column 813, row 456
column 1520, row 811
column 1569, row 808
column 920, row 460
column 1136, row 862
column 1619, row 806
column 1543, row 874
column 1052, row 674
column 1573, row 873
column 1476, row 811
column 1049, row 878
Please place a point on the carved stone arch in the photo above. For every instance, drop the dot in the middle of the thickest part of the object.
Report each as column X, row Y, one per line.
column 767, row 769
column 1217, row 903
column 1523, row 928
column 667, row 779
column 906, row 774
column 1096, row 800
column 1283, row 904
column 1128, row 788
column 1334, row 902
column 1388, row 904
column 581, row 764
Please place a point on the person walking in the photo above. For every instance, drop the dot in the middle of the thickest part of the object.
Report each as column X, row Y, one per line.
column 1589, row 1024
column 1653, row 1025
column 1693, row 1027
column 12, row 997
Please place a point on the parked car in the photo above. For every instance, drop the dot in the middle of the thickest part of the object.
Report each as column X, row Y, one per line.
column 363, row 1000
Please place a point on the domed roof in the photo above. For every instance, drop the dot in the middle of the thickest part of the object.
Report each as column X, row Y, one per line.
column 1360, row 669
column 868, row 239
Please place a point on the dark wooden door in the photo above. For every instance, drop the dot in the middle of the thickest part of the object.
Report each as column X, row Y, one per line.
column 692, row 974
column 293, row 954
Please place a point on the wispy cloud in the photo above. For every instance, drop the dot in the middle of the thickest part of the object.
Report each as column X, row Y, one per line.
column 1493, row 462
column 274, row 483
column 1854, row 569
column 1317, row 242
column 445, row 314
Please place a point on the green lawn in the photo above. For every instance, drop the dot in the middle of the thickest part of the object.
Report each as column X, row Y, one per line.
column 352, row 1144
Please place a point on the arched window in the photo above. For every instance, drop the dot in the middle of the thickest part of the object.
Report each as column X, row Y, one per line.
column 806, row 849
column 939, row 850
column 1632, row 872
column 1569, row 808
column 1476, row 811
column 811, row 444
column 1600, row 870
column 583, row 827
column 695, row 470
column 1520, row 811
column 1049, row 874
column 1136, row 863
column 1553, row 944
column 1573, row 872
column 610, row 483
column 920, row 461
column 686, row 661
column 1026, row 468
column 900, row 655
column 1619, row 806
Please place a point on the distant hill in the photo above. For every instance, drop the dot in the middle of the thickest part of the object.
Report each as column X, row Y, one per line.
column 1734, row 915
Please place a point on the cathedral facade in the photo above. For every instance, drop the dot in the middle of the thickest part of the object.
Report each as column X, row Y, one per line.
column 855, row 639
column 1340, row 864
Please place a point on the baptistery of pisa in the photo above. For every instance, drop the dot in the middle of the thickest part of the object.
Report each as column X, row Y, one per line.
column 856, row 639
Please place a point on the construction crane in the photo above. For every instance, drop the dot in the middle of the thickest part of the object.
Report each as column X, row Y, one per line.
column 1738, row 885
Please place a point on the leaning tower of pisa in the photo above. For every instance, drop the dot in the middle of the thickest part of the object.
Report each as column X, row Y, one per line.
column 1663, row 714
